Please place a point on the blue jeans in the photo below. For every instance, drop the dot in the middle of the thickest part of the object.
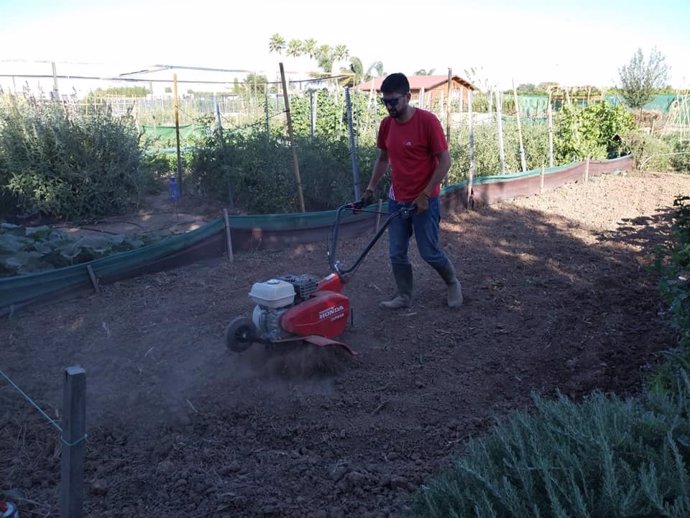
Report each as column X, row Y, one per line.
column 424, row 226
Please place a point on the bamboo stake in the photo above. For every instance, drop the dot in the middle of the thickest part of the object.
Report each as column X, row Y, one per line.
column 499, row 127
column 549, row 112
column 176, row 101
column 473, row 164
column 293, row 147
column 523, row 162
column 448, row 104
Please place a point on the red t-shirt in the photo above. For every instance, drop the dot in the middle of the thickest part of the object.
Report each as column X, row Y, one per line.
column 412, row 147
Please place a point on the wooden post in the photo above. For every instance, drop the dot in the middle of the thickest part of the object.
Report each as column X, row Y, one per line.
column 94, row 279
column 523, row 161
column 499, row 127
column 74, row 444
column 295, row 163
column 228, row 236
column 267, row 116
column 177, row 135
column 353, row 147
column 312, row 111
column 473, row 164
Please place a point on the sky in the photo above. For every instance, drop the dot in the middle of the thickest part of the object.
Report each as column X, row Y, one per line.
column 582, row 42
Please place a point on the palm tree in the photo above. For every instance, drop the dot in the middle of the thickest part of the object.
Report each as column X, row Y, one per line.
column 376, row 66
column 354, row 74
column 324, row 58
column 424, row 72
column 295, row 48
column 309, row 47
column 276, row 44
column 340, row 53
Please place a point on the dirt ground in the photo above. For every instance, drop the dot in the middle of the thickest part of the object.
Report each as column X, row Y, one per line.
column 559, row 297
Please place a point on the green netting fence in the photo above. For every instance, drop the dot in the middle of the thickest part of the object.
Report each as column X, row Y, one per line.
column 20, row 290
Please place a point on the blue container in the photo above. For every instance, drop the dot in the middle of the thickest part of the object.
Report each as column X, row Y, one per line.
column 8, row 510
column 174, row 190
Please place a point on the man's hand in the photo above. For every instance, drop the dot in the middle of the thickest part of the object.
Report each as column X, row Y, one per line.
column 367, row 198
column 422, row 202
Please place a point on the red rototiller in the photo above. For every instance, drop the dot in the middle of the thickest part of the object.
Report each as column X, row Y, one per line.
column 294, row 308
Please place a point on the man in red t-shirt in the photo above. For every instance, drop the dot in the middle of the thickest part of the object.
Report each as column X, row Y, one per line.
column 412, row 143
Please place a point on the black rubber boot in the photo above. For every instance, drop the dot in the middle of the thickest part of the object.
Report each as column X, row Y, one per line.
column 403, row 280
column 447, row 273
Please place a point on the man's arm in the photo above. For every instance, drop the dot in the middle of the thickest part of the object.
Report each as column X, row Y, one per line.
column 380, row 168
column 442, row 168
column 440, row 172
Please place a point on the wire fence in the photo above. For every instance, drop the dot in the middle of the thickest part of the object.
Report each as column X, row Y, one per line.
column 72, row 438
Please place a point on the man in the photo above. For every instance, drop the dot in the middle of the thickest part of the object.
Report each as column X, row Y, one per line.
column 412, row 142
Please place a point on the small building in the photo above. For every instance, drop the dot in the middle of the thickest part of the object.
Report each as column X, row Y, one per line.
column 428, row 91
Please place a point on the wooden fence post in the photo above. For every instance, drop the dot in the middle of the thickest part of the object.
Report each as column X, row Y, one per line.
column 94, row 279
column 228, row 236
column 73, row 444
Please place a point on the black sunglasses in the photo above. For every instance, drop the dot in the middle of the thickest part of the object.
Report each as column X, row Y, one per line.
column 392, row 101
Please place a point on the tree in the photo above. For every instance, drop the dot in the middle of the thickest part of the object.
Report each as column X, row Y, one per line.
column 324, row 58
column 255, row 84
column 356, row 74
column 526, row 88
column 309, row 47
column 639, row 79
column 276, row 44
column 295, row 48
column 376, row 66
column 424, row 72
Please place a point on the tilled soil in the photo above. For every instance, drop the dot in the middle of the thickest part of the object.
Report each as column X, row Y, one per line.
column 559, row 298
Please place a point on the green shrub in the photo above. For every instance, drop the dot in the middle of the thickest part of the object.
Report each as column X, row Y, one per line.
column 487, row 151
column 680, row 160
column 255, row 174
column 649, row 152
column 330, row 119
column 69, row 164
column 591, row 132
column 603, row 457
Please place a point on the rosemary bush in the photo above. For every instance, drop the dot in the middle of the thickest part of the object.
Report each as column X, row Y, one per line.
column 604, row 457
column 69, row 163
